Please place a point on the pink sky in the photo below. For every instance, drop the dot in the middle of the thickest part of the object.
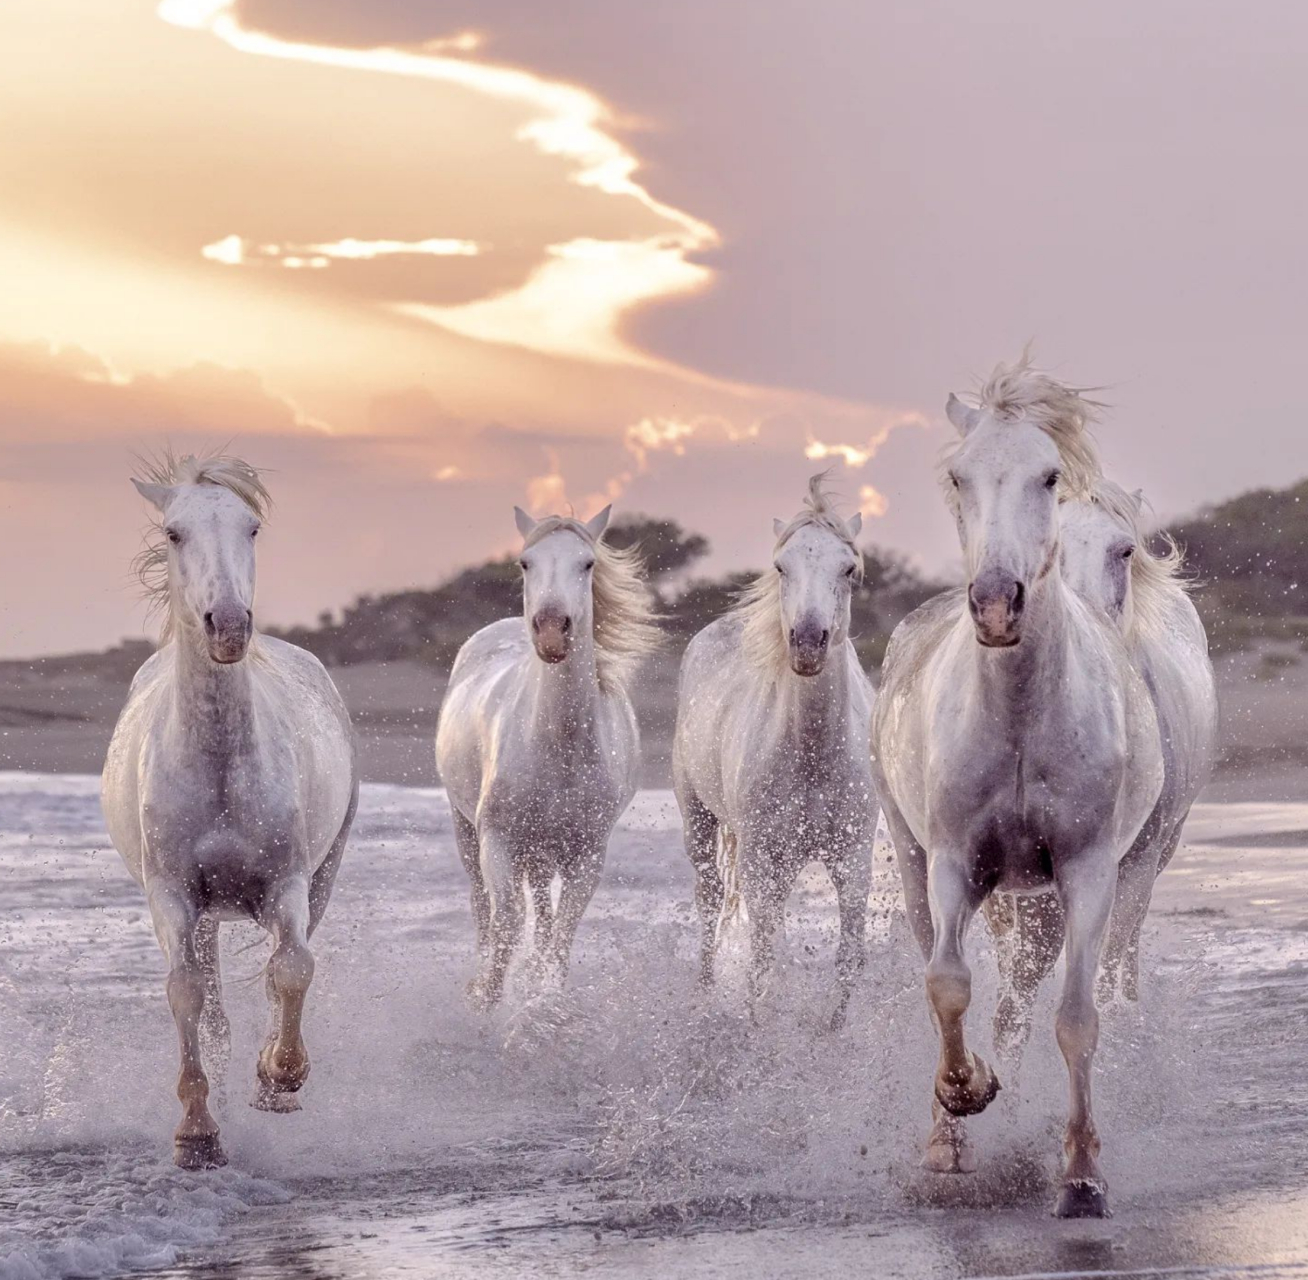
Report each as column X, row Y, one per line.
column 427, row 260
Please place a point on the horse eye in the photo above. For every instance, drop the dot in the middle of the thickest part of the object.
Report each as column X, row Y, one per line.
column 849, row 572
column 588, row 566
column 1128, row 552
column 523, row 565
column 1051, row 480
column 254, row 533
column 953, row 479
column 173, row 536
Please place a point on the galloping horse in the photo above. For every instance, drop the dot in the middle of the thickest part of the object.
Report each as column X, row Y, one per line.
column 230, row 784
column 1108, row 561
column 1015, row 745
column 770, row 759
column 537, row 742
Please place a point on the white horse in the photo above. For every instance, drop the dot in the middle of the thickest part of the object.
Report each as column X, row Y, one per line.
column 230, row 783
column 1015, row 746
column 537, row 743
column 1107, row 559
column 770, row 759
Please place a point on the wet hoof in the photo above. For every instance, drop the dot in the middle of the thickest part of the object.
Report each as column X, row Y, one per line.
column 277, row 1088
column 949, row 1155
column 972, row 1096
column 1083, row 1198
column 198, row 1151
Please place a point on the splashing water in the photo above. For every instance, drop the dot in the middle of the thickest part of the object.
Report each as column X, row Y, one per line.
column 629, row 1120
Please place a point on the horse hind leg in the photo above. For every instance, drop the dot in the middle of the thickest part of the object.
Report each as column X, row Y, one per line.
column 215, row 1029
column 1028, row 932
column 964, row 1084
column 702, row 834
column 283, row 1064
column 465, row 838
column 196, row 1143
column 1087, row 889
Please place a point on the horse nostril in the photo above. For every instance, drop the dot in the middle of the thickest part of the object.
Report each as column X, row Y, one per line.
column 208, row 621
column 972, row 605
column 1019, row 599
column 567, row 625
column 826, row 638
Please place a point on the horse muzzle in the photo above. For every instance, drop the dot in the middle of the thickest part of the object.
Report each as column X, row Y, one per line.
column 227, row 631
column 551, row 634
column 809, row 646
column 996, row 603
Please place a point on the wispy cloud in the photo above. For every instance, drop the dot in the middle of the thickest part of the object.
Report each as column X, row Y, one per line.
column 234, row 251
column 572, row 303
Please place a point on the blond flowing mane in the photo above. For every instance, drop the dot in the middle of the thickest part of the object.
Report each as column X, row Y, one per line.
column 1019, row 392
column 151, row 563
column 626, row 628
column 759, row 605
column 1154, row 575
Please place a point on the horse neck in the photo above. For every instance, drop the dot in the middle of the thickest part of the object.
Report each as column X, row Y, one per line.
column 1014, row 681
column 815, row 707
column 213, row 701
column 564, row 695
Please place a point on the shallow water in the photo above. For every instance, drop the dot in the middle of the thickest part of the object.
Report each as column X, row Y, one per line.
column 632, row 1124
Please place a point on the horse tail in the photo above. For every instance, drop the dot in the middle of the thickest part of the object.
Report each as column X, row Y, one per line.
column 733, row 911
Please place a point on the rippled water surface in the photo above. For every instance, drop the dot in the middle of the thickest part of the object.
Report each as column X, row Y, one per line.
column 632, row 1124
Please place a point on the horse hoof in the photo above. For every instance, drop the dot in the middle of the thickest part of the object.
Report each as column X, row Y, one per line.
column 949, row 1157
column 198, row 1151
column 1082, row 1198
column 278, row 1101
column 972, row 1097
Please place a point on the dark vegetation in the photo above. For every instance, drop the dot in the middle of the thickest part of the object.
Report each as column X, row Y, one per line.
column 1249, row 560
column 430, row 625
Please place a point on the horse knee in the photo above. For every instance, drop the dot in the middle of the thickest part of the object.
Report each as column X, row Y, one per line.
column 949, row 987
column 1076, row 1026
column 290, row 968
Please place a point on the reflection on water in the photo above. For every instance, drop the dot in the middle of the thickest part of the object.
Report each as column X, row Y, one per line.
column 630, row 1123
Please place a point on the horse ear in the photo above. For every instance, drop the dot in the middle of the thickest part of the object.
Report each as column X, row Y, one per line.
column 1138, row 500
column 596, row 525
column 156, row 495
column 524, row 522
column 854, row 525
column 778, row 528
column 963, row 417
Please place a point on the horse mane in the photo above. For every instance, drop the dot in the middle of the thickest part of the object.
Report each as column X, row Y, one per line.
column 1019, row 392
column 758, row 606
column 626, row 629
column 1154, row 575
column 150, row 564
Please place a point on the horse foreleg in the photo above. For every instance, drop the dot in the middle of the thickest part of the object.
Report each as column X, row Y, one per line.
column 540, row 880
column 912, row 862
column 965, row 1084
column 215, row 1029
column 852, row 877
column 765, row 886
column 465, row 837
column 502, row 877
column 195, row 1144
column 283, row 1063
column 580, row 879
column 1086, row 888
column 1028, row 931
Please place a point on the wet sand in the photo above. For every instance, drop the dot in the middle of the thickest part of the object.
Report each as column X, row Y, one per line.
column 631, row 1124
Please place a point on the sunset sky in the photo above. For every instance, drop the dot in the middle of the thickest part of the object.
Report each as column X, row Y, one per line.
column 425, row 260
